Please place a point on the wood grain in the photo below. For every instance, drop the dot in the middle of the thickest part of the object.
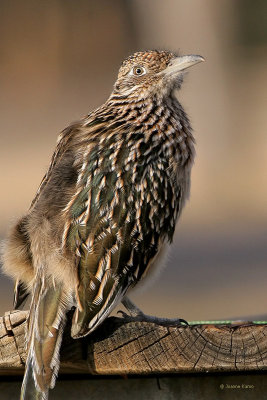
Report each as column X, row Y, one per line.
column 120, row 347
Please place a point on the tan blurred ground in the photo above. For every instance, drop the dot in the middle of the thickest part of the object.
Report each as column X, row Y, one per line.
column 58, row 61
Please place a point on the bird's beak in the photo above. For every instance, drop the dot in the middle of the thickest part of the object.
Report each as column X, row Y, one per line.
column 178, row 64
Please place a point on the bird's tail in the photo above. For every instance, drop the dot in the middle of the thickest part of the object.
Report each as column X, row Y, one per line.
column 44, row 336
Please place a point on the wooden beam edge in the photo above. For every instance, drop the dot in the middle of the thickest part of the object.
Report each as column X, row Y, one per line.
column 120, row 347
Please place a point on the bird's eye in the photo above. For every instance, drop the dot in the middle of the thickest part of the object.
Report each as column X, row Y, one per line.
column 138, row 71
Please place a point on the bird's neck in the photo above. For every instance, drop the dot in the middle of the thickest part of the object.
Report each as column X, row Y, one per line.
column 150, row 111
column 162, row 123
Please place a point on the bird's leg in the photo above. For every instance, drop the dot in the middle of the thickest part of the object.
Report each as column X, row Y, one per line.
column 137, row 315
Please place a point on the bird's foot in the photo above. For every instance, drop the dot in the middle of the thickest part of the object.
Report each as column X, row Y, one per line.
column 135, row 314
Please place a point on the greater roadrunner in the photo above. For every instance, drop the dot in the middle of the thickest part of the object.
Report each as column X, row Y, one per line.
column 104, row 211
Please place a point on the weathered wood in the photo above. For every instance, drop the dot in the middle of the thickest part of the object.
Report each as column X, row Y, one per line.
column 121, row 348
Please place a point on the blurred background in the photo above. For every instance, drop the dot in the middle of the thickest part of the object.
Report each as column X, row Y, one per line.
column 59, row 60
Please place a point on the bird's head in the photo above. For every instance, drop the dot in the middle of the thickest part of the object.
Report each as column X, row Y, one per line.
column 152, row 73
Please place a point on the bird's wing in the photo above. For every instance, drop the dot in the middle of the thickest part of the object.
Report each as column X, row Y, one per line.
column 20, row 291
column 62, row 145
column 113, row 226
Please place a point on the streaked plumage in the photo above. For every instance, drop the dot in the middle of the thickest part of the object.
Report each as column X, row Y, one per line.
column 108, row 203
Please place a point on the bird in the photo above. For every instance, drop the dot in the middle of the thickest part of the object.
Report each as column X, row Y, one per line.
column 104, row 212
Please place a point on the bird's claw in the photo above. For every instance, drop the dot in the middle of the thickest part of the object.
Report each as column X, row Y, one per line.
column 183, row 321
column 141, row 317
column 123, row 314
column 135, row 314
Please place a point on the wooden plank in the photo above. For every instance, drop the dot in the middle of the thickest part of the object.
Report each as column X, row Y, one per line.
column 120, row 348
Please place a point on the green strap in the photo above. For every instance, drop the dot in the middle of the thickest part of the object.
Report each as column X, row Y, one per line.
column 230, row 322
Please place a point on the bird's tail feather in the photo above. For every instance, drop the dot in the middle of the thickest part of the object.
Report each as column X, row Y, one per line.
column 44, row 336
